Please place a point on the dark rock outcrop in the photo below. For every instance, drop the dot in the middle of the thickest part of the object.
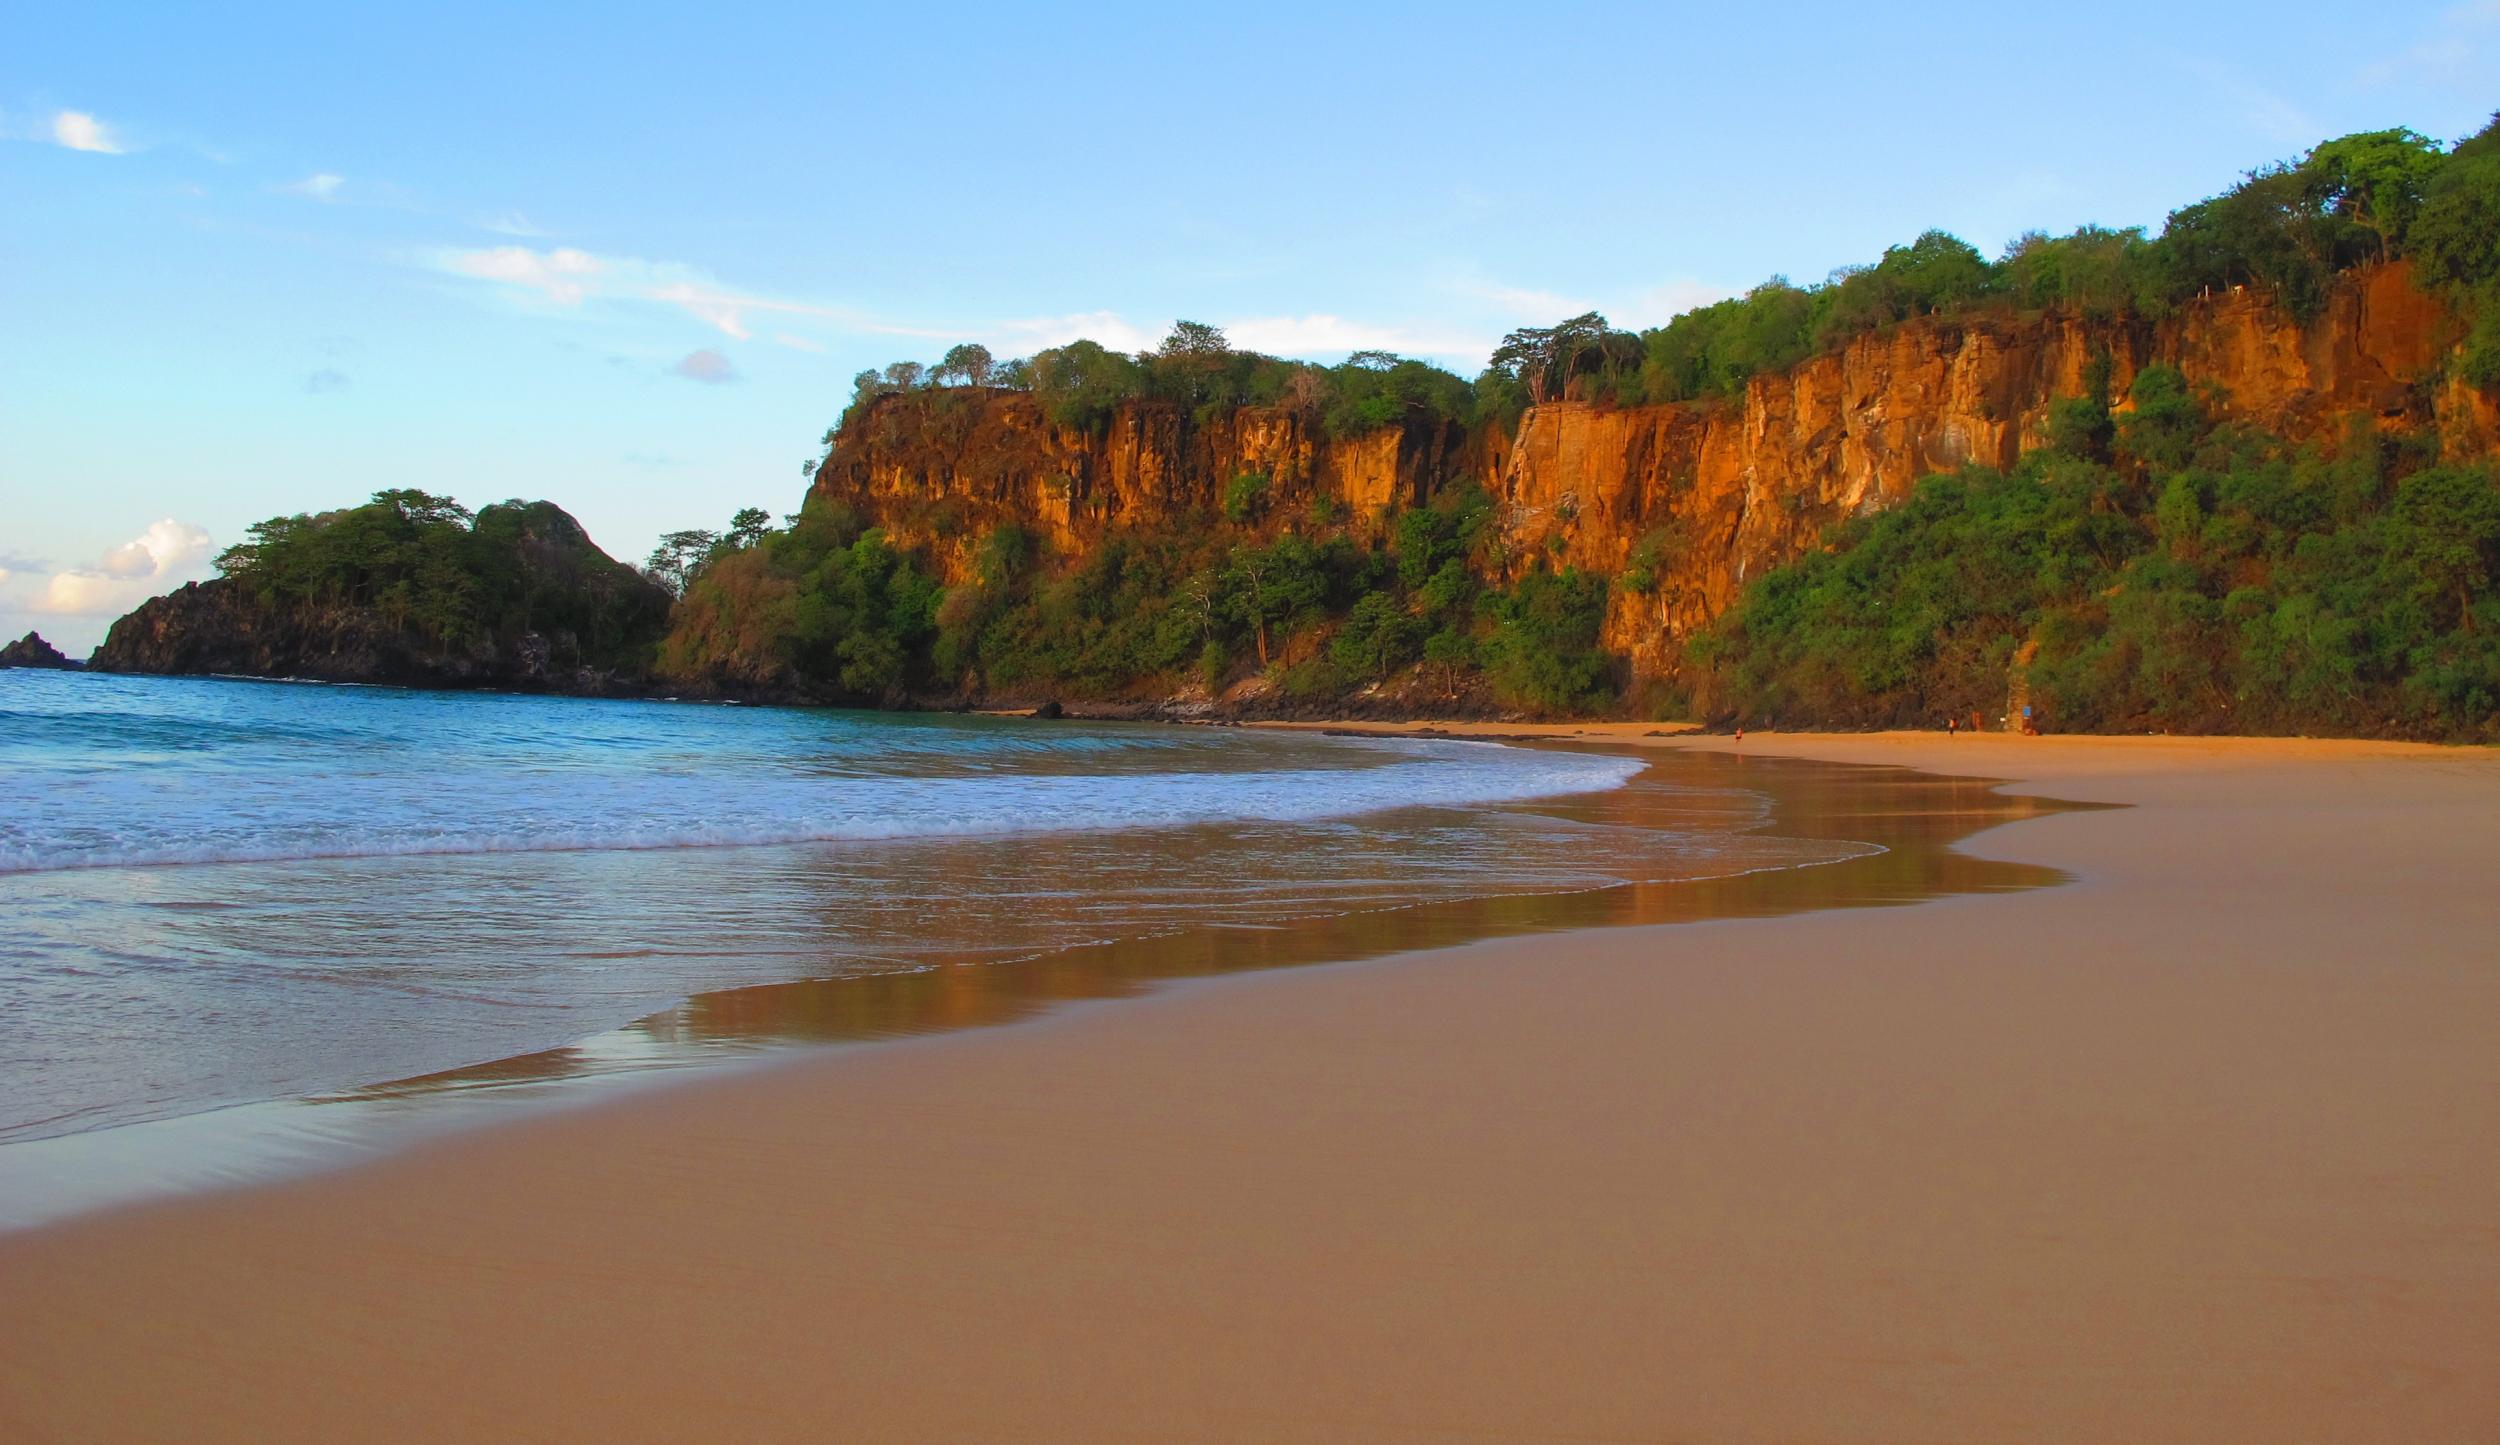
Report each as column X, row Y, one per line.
column 32, row 651
column 570, row 619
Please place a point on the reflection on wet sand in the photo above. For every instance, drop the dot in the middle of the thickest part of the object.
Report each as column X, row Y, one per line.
column 1911, row 820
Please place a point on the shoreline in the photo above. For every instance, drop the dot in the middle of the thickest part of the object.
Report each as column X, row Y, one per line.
column 1897, row 856
column 2194, row 1147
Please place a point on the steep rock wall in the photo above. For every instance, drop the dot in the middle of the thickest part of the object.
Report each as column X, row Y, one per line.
column 1721, row 491
column 939, row 469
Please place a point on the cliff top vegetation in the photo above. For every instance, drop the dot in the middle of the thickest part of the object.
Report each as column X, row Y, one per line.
column 2285, row 229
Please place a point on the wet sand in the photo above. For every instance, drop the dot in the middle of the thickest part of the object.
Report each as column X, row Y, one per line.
column 2197, row 1147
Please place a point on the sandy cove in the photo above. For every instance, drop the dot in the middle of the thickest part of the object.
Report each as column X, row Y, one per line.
column 2204, row 1146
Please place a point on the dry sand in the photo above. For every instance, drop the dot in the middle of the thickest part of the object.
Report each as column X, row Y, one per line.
column 2204, row 1146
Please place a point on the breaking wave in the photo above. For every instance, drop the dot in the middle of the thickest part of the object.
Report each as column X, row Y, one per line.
column 560, row 813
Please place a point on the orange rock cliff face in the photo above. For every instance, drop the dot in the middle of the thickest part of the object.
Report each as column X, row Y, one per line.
column 1727, row 489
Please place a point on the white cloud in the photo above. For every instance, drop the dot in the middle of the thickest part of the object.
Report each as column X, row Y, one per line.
column 130, row 559
column 169, row 551
column 706, row 366
column 86, row 594
column 1322, row 335
column 320, row 186
column 510, row 223
column 797, row 343
column 1524, row 303
column 563, row 275
column 1661, row 304
column 1039, row 333
column 80, row 131
column 1529, row 306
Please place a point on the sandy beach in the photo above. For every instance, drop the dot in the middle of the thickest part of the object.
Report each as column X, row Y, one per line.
column 2198, row 1147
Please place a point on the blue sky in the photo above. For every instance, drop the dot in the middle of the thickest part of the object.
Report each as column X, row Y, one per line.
column 258, row 259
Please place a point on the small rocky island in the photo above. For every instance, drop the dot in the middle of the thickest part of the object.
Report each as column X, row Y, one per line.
column 32, row 651
column 408, row 589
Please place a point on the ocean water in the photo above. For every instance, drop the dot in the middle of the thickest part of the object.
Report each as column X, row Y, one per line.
column 220, row 893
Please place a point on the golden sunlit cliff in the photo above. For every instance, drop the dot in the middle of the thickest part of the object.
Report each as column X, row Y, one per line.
column 1715, row 492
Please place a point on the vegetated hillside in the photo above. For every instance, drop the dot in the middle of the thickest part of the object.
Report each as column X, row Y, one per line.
column 1199, row 525
column 410, row 589
column 2158, row 568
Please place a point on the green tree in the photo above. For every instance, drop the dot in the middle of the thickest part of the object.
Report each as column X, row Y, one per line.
column 1378, row 637
column 2376, row 179
column 1275, row 584
column 1080, row 384
column 970, row 363
column 679, row 555
column 2445, row 526
column 1194, row 339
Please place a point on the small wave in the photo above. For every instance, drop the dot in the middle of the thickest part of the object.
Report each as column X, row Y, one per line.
column 493, row 814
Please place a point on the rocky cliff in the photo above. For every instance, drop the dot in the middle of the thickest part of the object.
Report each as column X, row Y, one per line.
column 1715, row 492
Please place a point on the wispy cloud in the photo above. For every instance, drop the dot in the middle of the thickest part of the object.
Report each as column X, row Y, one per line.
column 567, row 278
column 325, row 381
column 319, row 186
column 1525, row 303
column 511, row 223
column 2260, row 109
column 2455, row 52
column 706, row 366
column 563, row 276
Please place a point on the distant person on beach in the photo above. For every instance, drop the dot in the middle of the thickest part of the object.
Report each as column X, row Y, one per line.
column 1952, row 725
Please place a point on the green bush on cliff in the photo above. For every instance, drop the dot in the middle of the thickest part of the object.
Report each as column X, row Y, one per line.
column 2203, row 578
column 830, row 608
column 2455, row 236
column 1542, row 651
column 827, row 601
column 2285, row 229
column 1197, row 370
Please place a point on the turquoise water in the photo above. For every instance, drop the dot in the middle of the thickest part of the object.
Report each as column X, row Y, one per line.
column 217, row 893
